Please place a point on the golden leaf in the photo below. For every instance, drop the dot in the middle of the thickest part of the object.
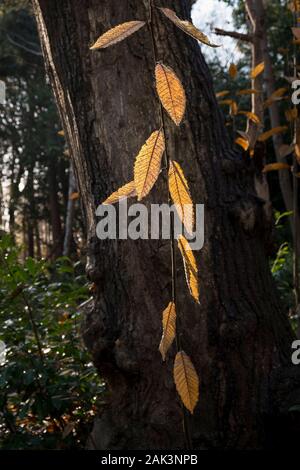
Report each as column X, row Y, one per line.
column 187, row 27
column 276, row 130
column 233, row 108
column 275, row 166
column 147, row 163
column 275, row 96
column 229, row 102
column 180, row 194
column 190, row 267
column 169, row 329
column 257, row 70
column 220, row 94
column 186, row 380
column 242, row 142
column 128, row 190
column 116, row 34
column 248, row 91
column 291, row 114
column 74, row 196
column 61, row 133
column 252, row 116
column 232, row 70
column 170, row 92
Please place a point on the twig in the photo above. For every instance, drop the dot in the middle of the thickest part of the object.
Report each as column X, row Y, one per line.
column 234, row 35
column 186, row 427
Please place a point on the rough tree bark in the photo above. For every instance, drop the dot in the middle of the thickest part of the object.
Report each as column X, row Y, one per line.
column 239, row 338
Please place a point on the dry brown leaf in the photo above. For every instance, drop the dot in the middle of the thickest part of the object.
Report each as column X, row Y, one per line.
column 74, row 196
column 170, row 92
column 275, row 166
column 252, row 116
column 186, row 380
column 220, row 94
column 128, row 190
column 180, row 194
column 275, row 96
column 233, row 108
column 257, row 70
column 147, row 163
column 232, row 71
column 187, row 27
column 248, row 91
column 242, row 142
column 169, row 329
column 226, row 102
column 291, row 114
column 190, row 267
column 117, row 34
column 276, row 130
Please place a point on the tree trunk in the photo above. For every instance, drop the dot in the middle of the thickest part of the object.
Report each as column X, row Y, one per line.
column 239, row 335
column 285, row 180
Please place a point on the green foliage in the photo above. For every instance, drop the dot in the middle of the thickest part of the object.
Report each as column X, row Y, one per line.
column 47, row 397
column 282, row 264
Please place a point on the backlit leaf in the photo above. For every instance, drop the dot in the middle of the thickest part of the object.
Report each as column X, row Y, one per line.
column 248, row 91
column 180, row 194
column 252, row 116
column 190, row 267
column 186, row 380
column 291, row 114
column 128, row 190
column 117, row 34
column 226, row 102
column 233, row 108
column 285, row 150
column 170, row 92
column 232, row 70
column 275, row 167
column 169, row 329
column 74, row 196
column 242, row 142
column 276, row 130
column 220, row 94
column 257, row 70
column 275, row 96
column 187, row 27
column 147, row 163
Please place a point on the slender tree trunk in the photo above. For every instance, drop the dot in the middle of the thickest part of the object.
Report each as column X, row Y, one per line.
column 256, row 14
column 284, row 176
column 238, row 338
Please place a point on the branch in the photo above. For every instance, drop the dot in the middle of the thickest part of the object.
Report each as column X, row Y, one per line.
column 234, row 34
column 22, row 46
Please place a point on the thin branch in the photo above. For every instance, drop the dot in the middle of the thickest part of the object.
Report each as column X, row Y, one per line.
column 186, row 425
column 21, row 46
column 234, row 35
